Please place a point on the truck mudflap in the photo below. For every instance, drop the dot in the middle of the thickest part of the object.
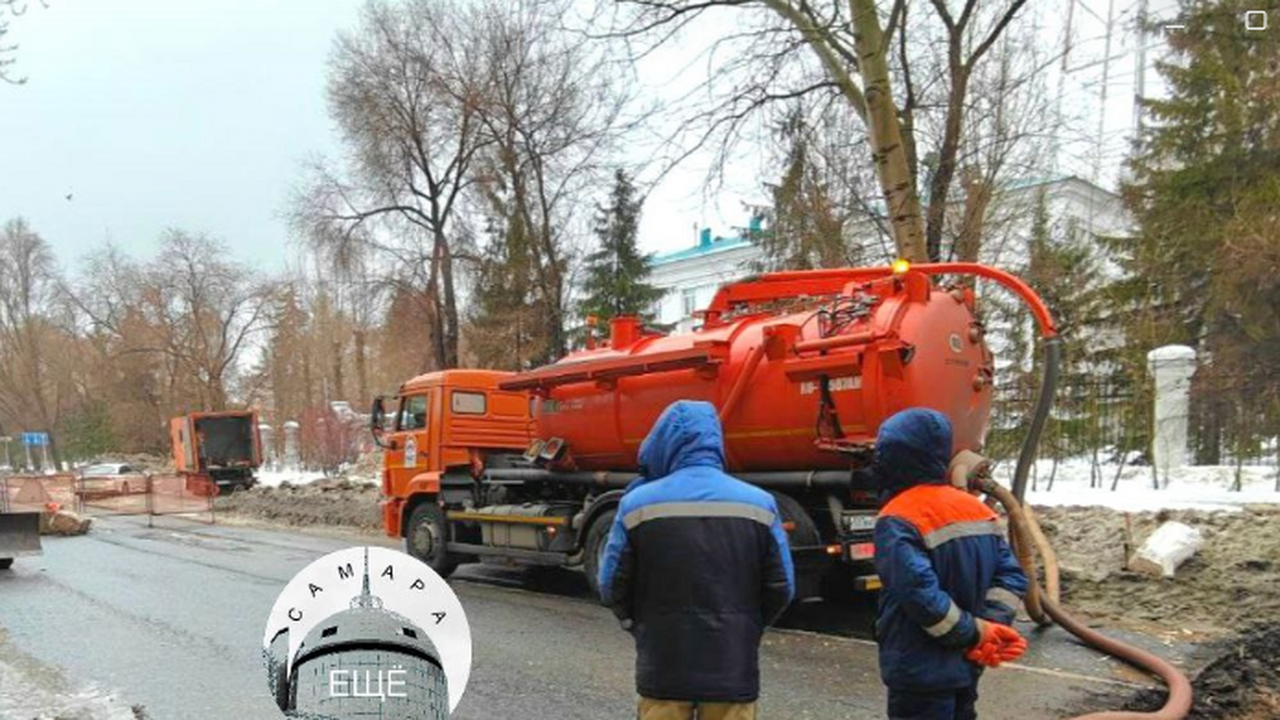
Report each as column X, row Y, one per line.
column 19, row 535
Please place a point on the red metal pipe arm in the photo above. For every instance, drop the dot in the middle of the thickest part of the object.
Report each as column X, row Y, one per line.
column 744, row 377
column 796, row 283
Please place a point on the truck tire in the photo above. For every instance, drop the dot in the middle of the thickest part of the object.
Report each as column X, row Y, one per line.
column 426, row 538
column 6, row 563
column 593, row 549
column 803, row 534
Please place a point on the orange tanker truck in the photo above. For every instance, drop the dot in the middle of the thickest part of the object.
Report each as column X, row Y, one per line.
column 803, row 367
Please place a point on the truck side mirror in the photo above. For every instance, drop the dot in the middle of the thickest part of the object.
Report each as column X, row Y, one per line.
column 377, row 422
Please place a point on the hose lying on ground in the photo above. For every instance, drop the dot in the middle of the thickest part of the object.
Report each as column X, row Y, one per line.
column 1026, row 535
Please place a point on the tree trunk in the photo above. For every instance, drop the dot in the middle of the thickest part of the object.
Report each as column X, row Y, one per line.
column 885, row 134
column 335, row 355
column 362, row 367
column 940, row 183
column 450, row 323
column 435, row 323
column 55, row 454
column 968, row 245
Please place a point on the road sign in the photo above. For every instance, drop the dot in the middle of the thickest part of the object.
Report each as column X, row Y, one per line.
column 36, row 439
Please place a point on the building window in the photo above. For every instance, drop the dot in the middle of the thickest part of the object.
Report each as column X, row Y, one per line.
column 688, row 302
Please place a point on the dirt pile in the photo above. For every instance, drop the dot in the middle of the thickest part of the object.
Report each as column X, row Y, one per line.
column 1230, row 584
column 1242, row 684
column 335, row 502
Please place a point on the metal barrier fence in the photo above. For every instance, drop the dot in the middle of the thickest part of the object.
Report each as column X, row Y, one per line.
column 114, row 495
column 35, row 493
column 183, row 495
column 100, row 496
column 1108, row 422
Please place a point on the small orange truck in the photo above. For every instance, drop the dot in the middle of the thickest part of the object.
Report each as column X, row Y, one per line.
column 223, row 447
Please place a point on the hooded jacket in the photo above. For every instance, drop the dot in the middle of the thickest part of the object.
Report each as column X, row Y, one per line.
column 696, row 565
column 941, row 556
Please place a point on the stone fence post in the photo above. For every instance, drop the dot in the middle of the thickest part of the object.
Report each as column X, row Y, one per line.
column 1171, row 367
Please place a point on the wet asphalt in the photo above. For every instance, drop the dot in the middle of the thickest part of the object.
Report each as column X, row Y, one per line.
column 166, row 622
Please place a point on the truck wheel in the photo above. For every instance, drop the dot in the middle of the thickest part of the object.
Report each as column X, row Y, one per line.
column 803, row 534
column 6, row 563
column 426, row 536
column 593, row 549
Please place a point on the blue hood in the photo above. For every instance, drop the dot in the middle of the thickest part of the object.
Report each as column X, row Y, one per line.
column 912, row 448
column 687, row 433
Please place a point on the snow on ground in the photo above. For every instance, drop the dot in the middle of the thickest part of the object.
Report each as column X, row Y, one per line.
column 1191, row 488
column 297, row 476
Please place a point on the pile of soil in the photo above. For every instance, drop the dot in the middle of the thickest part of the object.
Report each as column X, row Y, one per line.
column 334, row 502
column 1242, row 684
column 1230, row 584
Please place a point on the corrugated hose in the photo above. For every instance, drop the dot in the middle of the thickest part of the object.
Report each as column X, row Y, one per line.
column 1043, row 604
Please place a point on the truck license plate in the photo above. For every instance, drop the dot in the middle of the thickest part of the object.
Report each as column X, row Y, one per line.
column 855, row 523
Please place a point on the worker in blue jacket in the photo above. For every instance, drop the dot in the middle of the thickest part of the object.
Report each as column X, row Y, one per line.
column 951, row 584
column 696, row 566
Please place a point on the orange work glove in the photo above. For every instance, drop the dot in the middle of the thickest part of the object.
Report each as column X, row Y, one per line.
column 996, row 644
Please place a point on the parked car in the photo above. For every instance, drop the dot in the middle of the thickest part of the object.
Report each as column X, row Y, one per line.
column 107, row 479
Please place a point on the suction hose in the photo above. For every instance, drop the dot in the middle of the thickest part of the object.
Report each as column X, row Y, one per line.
column 1178, row 702
column 1028, row 539
column 1044, row 403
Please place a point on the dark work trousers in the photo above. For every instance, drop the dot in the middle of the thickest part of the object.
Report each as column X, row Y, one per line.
column 955, row 704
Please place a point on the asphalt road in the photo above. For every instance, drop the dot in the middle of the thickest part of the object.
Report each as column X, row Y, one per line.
column 166, row 623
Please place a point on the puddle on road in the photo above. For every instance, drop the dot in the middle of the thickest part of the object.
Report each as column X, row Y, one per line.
column 31, row 690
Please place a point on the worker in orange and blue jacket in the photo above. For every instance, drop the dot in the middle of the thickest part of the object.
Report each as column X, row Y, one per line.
column 951, row 583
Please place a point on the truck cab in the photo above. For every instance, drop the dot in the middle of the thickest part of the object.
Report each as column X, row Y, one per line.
column 438, row 434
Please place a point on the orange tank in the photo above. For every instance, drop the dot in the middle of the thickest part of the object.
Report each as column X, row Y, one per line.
column 803, row 366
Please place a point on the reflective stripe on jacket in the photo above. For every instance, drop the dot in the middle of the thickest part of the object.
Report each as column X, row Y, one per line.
column 696, row 565
column 943, row 560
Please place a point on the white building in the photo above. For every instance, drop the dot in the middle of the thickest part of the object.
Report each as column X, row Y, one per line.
column 691, row 276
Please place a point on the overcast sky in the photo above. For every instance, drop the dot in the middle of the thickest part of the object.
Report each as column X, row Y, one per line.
column 198, row 114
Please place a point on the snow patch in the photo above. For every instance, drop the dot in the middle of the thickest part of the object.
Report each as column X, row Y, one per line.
column 273, row 478
column 1189, row 488
column 37, row 692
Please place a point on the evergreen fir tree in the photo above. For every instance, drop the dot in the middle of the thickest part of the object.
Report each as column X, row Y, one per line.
column 616, row 273
column 1205, row 185
column 505, row 329
column 809, row 225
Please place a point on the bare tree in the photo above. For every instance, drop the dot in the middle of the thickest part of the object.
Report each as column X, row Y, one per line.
column 551, row 111
column 402, row 90
column 858, row 54
column 190, row 307
column 10, row 9
column 1010, row 124
column 822, row 213
column 33, row 392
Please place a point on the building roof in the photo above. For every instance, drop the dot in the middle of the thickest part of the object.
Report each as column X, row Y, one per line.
column 719, row 244
column 709, row 246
